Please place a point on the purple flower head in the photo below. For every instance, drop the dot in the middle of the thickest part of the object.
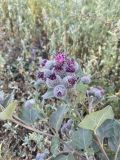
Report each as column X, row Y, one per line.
column 60, row 91
column 85, row 79
column 52, row 76
column 47, row 73
column 60, row 58
column 70, row 69
column 97, row 92
column 67, row 127
column 42, row 156
column 50, row 64
column 71, row 63
column 70, row 122
column 41, row 77
column 43, row 62
column 59, row 70
column 53, row 80
column 69, row 81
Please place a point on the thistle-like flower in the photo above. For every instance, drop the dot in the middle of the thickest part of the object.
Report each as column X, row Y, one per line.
column 47, row 73
column 65, row 129
column 60, row 58
column 97, row 92
column 42, row 156
column 53, row 80
column 43, row 62
column 59, row 70
column 70, row 62
column 41, row 77
column 60, row 91
column 69, row 81
column 70, row 70
column 85, row 79
column 50, row 64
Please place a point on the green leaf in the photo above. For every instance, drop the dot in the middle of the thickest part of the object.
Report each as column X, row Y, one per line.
column 81, row 139
column 104, row 131
column 37, row 138
column 95, row 119
column 82, row 89
column 29, row 115
column 49, row 94
column 56, row 117
column 8, row 112
column 55, row 146
column 8, row 99
column 114, row 139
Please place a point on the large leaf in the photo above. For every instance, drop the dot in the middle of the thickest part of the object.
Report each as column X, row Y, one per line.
column 104, row 131
column 95, row 119
column 81, row 139
column 114, row 139
column 30, row 115
column 55, row 146
column 8, row 112
column 56, row 117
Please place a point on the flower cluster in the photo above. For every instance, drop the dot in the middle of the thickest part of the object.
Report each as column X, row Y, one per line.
column 59, row 74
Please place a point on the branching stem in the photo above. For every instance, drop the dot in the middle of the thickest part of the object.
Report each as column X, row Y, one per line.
column 101, row 146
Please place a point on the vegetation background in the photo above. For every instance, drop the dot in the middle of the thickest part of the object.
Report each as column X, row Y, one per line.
column 88, row 30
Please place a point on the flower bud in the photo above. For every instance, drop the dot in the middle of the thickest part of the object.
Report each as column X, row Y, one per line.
column 43, row 62
column 69, row 81
column 47, row 72
column 42, row 156
column 41, row 77
column 85, row 79
column 60, row 91
column 70, row 69
column 59, row 70
column 53, row 80
column 97, row 92
column 67, row 127
column 60, row 58
column 50, row 64
column 70, row 62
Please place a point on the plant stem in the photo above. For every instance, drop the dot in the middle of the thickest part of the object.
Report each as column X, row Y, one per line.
column 101, row 146
column 30, row 128
column 116, row 154
column 19, row 122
